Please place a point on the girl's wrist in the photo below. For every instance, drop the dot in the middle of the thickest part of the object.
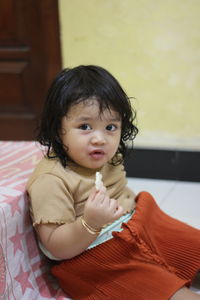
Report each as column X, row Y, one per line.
column 89, row 229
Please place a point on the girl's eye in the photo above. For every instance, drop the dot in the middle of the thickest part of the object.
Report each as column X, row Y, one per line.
column 85, row 127
column 111, row 127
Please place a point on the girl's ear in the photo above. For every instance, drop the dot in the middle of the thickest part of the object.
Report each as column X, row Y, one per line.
column 61, row 132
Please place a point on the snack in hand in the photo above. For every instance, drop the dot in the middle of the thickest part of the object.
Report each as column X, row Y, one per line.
column 98, row 181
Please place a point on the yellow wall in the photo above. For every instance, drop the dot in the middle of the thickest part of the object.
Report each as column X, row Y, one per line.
column 153, row 48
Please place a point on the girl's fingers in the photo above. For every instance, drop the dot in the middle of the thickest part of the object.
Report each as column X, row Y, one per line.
column 105, row 201
column 116, row 208
column 102, row 190
column 92, row 195
column 113, row 204
column 119, row 212
column 100, row 195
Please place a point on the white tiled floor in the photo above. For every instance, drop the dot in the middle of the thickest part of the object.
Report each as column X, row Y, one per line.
column 179, row 199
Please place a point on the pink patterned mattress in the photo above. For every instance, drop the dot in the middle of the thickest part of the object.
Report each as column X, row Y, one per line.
column 23, row 269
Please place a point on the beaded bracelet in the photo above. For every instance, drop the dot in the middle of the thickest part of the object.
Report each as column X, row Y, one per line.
column 89, row 228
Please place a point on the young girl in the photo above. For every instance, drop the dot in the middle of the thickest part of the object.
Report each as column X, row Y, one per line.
column 107, row 243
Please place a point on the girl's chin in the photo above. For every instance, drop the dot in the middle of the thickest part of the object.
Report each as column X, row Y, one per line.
column 93, row 165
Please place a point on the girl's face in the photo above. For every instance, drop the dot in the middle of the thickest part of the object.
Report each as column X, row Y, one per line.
column 91, row 138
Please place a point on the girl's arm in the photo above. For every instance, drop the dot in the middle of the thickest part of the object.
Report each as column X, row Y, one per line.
column 68, row 240
column 65, row 241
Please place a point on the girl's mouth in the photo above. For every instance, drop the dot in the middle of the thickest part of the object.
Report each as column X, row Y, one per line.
column 97, row 154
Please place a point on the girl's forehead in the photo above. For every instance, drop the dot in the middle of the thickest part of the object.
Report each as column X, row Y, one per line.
column 91, row 107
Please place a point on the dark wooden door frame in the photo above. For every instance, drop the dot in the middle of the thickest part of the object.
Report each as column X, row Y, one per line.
column 30, row 57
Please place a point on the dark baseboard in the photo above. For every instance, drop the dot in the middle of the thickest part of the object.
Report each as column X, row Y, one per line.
column 163, row 164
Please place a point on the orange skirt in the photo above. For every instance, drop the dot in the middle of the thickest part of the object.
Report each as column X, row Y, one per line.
column 151, row 258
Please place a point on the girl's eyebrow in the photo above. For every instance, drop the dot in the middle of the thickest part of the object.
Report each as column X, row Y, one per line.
column 115, row 119
column 85, row 119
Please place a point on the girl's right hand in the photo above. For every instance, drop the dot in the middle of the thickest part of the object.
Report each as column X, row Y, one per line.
column 100, row 209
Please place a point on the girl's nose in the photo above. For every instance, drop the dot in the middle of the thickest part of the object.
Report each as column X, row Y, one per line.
column 98, row 138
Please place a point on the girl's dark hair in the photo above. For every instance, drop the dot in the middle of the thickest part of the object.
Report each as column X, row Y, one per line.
column 79, row 84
